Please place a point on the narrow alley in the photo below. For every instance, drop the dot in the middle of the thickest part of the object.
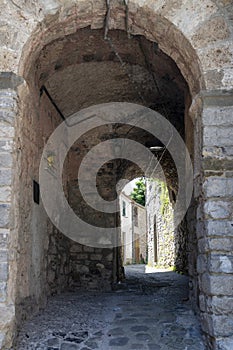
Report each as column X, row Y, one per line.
column 148, row 311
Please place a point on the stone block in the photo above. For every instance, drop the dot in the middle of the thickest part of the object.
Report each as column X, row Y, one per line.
column 216, row 28
column 219, row 228
column 5, row 177
column 82, row 256
column 218, row 209
column 218, row 116
column 222, row 325
column 220, row 263
column 6, row 131
column 201, row 263
column 82, row 269
column 50, row 7
column 217, row 163
column 5, row 160
column 109, row 257
column 97, row 257
column 8, row 84
column 216, row 284
column 224, row 343
column 218, row 187
column 6, row 145
column 213, row 79
column 220, row 244
column 207, row 323
column 203, row 246
column 218, row 152
column 3, row 291
column 7, row 103
column 4, row 215
column 217, row 325
column 202, row 303
column 87, row 249
column 4, row 237
column 220, row 305
column 76, row 248
column 218, row 136
column 227, row 78
column 3, row 255
column 2, row 339
column 5, row 194
column 3, row 272
column 216, row 57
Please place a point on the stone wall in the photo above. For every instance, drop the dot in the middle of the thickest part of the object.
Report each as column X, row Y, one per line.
column 198, row 36
column 215, row 236
column 161, row 232
column 35, row 239
column 92, row 268
column 8, row 108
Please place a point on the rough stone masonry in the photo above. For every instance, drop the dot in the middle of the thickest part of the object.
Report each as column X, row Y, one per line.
column 179, row 54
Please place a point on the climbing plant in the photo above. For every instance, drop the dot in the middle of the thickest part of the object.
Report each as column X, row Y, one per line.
column 139, row 192
column 164, row 197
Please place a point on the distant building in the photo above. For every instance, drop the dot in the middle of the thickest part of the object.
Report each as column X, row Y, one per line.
column 133, row 230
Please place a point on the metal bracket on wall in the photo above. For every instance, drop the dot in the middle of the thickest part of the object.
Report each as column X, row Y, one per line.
column 43, row 89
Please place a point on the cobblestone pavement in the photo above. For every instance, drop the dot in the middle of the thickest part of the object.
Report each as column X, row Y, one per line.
column 148, row 312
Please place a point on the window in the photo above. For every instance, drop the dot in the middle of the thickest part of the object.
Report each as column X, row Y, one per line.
column 36, row 192
column 123, row 208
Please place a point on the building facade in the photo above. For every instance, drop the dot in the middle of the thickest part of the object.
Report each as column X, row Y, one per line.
column 133, row 231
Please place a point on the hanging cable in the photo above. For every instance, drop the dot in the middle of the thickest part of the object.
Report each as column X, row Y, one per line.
column 126, row 70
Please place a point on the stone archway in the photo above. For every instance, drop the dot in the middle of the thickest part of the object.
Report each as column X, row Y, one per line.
column 205, row 62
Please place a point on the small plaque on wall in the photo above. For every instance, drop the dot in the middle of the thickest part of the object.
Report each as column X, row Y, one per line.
column 36, row 192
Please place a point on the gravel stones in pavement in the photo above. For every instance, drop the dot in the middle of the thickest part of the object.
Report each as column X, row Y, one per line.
column 148, row 313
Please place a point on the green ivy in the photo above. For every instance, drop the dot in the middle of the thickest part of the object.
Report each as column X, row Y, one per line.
column 164, row 198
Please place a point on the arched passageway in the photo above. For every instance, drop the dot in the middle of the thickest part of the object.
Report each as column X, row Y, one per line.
column 78, row 71
column 83, row 54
